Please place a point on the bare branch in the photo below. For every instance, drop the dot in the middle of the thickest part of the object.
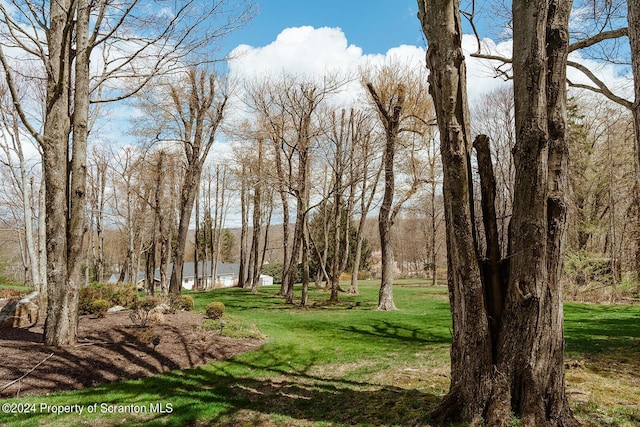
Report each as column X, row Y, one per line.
column 605, row 35
column 600, row 86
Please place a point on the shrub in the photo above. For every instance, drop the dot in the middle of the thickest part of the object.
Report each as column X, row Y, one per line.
column 215, row 310
column 123, row 294
column 274, row 270
column 142, row 309
column 180, row 302
column 99, row 307
column 186, row 302
column 364, row 275
column 233, row 327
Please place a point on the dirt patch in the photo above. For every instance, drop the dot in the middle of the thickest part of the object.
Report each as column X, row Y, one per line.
column 109, row 349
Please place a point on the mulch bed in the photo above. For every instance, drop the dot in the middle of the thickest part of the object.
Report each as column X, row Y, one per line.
column 109, row 349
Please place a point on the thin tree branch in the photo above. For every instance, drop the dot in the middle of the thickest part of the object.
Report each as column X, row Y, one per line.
column 27, row 373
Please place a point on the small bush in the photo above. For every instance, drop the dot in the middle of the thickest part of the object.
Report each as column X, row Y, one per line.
column 155, row 316
column 123, row 294
column 142, row 310
column 215, row 310
column 364, row 275
column 233, row 327
column 181, row 302
column 99, row 307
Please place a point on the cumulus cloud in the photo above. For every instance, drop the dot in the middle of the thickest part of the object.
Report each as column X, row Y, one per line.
column 312, row 51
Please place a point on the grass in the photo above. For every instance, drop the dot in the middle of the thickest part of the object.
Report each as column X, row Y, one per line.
column 348, row 364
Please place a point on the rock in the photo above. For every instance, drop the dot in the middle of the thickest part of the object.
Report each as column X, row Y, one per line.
column 20, row 313
column 163, row 308
column 115, row 309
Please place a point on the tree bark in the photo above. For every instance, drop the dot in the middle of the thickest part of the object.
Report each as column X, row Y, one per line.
column 471, row 357
column 491, row 276
column 525, row 371
column 633, row 17
column 391, row 121
column 243, row 228
column 61, row 323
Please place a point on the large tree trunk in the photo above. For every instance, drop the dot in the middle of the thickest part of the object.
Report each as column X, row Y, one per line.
column 471, row 359
column 633, row 7
column 525, row 371
column 531, row 342
column 60, row 327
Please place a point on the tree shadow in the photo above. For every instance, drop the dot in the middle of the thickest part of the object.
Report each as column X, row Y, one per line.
column 597, row 329
column 284, row 394
column 393, row 331
column 105, row 356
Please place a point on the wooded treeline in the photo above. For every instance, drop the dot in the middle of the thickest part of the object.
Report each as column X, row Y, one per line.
column 314, row 160
column 133, row 196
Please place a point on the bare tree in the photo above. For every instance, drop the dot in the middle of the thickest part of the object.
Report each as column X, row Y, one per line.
column 400, row 111
column 97, row 198
column 288, row 109
column 21, row 178
column 61, row 37
column 187, row 112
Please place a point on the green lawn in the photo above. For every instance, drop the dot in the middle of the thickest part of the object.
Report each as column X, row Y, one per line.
column 348, row 364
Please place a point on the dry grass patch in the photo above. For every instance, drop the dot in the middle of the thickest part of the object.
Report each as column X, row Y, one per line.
column 604, row 389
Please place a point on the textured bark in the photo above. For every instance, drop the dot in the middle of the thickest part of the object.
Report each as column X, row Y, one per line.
column 255, row 266
column 531, row 343
column 633, row 17
column 492, row 277
column 525, row 371
column 244, row 221
column 471, row 360
column 61, row 322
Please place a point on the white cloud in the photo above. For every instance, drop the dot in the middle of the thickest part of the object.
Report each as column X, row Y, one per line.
column 303, row 50
column 312, row 51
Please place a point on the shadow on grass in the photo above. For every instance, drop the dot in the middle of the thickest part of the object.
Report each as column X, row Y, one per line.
column 394, row 331
column 598, row 328
column 280, row 399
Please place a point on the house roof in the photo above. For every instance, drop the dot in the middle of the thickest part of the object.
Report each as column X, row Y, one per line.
column 188, row 271
column 204, row 268
column 115, row 276
column 222, row 269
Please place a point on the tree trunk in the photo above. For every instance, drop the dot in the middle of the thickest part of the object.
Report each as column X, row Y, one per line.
column 491, row 276
column 187, row 198
column 385, row 295
column 257, row 223
column 525, row 372
column 335, row 242
column 60, row 324
column 243, row 228
column 391, row 121
column 285, row 217
column 633, row 17
column 42, row 247
column 471, row 361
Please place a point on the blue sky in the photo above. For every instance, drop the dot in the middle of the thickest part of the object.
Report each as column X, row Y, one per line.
column 375, row 25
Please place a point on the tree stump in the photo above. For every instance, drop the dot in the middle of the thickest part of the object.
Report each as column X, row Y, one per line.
column 20, row 313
